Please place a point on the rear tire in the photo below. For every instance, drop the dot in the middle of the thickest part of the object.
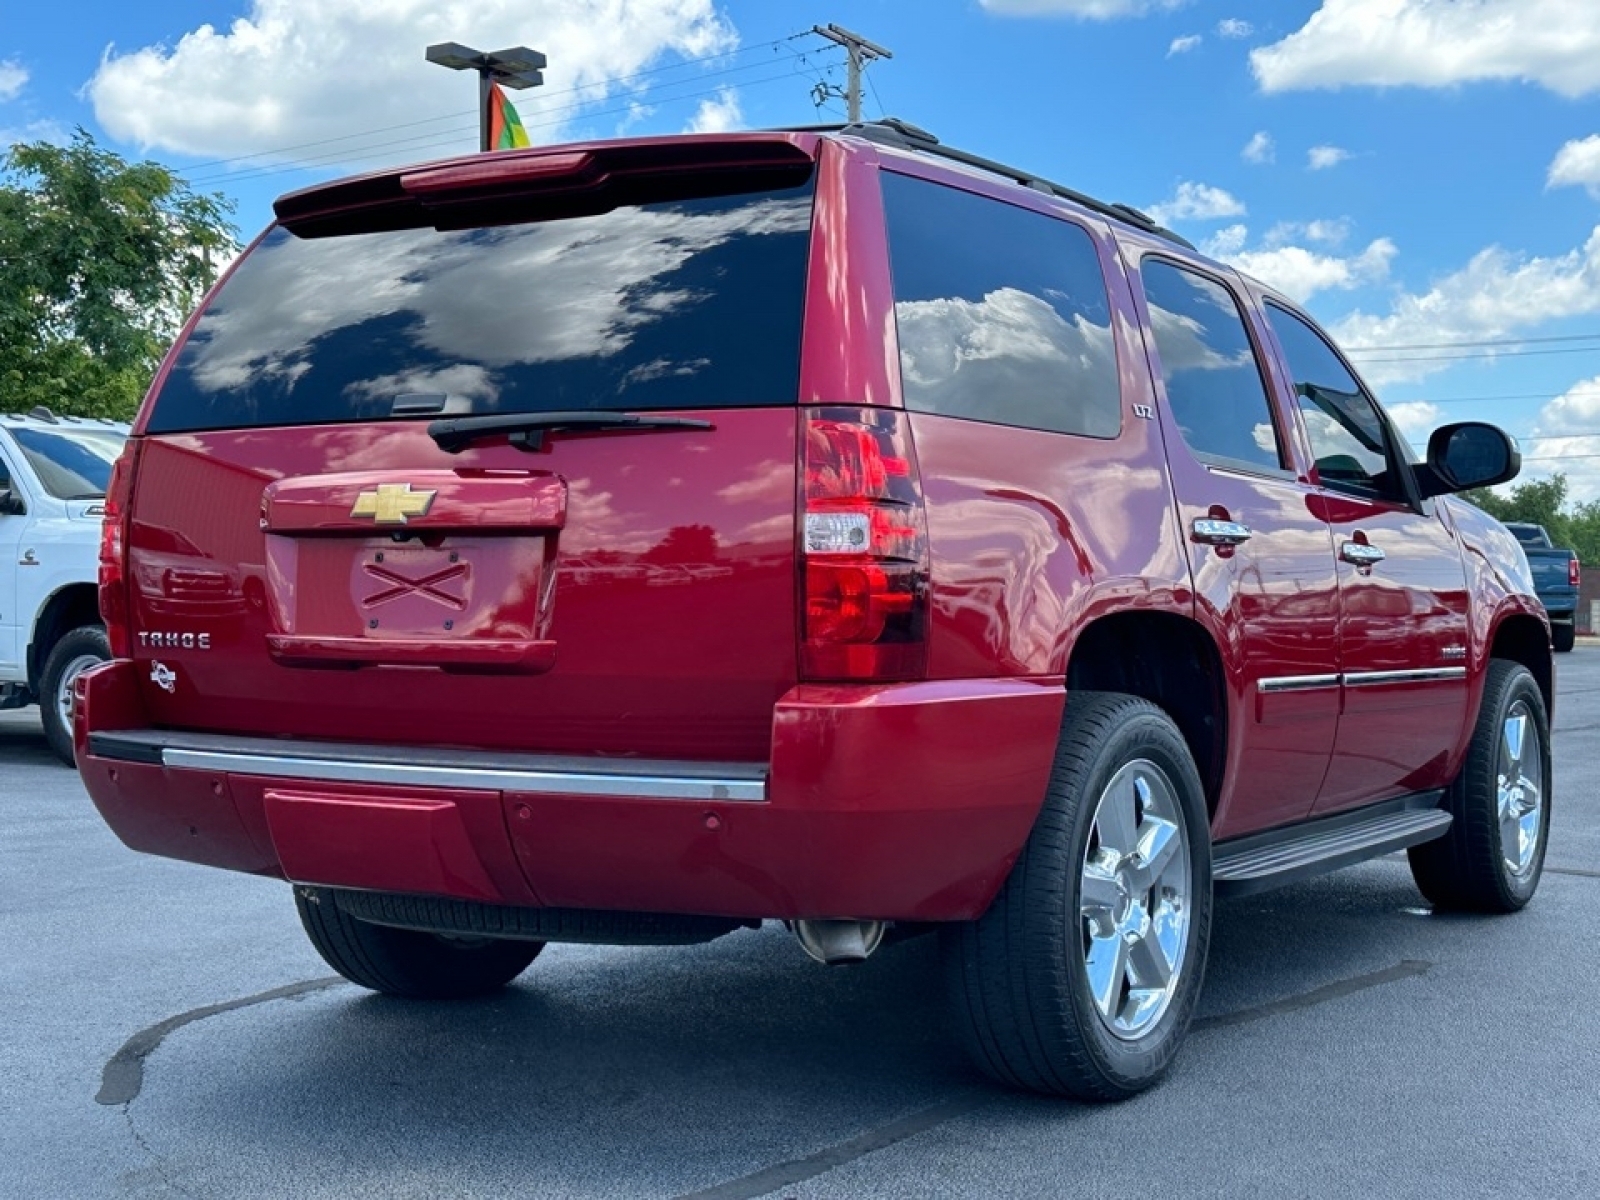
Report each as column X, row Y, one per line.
column 1491, row 858
column 408, row 962
column 76, row 651
column 1082, row 976
column 1563, row 637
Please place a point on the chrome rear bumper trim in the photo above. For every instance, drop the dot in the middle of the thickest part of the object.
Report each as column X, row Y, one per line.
column 654, row 779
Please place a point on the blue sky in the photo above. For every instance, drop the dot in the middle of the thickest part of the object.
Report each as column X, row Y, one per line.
column 1423, row 174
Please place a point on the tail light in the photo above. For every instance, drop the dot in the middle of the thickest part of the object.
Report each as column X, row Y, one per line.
column 1573, row 571
column 114, row 554
column 864, row 547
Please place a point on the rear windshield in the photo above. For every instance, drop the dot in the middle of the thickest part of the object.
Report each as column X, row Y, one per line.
column 72, row 464
column 689, row 304
column 1531, row 536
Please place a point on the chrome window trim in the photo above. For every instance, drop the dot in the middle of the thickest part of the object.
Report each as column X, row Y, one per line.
column 1428, row 675
column 541, row 782
column 1297, row 683
column 1306, row 683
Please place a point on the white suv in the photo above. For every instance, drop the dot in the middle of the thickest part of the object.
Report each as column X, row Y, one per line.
column 53, row 473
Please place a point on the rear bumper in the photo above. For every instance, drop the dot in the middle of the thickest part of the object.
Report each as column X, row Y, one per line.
column 901, row 802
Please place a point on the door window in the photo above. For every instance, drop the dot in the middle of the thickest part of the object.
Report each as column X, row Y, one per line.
column 1209, row 368
column 1349, row 439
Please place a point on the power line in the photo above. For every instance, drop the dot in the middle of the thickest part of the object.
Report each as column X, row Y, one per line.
column 1521, row 341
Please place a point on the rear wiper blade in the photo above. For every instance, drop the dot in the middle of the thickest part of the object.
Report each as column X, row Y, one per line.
column 527, row 430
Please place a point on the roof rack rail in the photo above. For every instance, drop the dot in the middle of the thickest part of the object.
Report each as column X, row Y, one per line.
column 40, row 413
column 902, row 135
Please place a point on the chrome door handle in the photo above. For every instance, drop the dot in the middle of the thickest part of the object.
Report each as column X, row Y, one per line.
column 1210, row 532
column 1361, row 554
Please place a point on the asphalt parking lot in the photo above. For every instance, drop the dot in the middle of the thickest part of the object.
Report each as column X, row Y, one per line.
column 169, row 1032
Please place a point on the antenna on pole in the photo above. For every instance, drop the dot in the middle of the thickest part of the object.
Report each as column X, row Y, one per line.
column 861, row 53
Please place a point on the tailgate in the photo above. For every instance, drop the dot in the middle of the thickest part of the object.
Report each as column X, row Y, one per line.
column 622, row 595
column 306, row 559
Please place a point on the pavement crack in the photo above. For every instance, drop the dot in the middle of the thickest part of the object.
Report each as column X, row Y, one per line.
column 1405, row 969
column 799, row 1170
column 123, row 1075
column 156, row 1160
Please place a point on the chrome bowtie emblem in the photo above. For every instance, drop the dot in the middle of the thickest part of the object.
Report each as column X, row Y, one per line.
column 164, row 677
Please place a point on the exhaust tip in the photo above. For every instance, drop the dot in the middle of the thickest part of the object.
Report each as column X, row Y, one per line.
column 839, row 943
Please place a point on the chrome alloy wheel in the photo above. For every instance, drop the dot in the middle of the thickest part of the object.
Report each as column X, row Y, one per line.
column 1519, row 789
column 1134, row 899
column 64, row 698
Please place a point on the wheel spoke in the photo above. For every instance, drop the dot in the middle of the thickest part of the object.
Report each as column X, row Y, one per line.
column 1148, row 964
column 1100, row 893
column 1107, row 964
column 1515, row 733
column 1159, row 844
column 1118, row 820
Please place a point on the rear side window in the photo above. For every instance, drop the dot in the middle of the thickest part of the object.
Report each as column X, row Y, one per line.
column 690, row 304
column 1002, row 312
column 1213, row 381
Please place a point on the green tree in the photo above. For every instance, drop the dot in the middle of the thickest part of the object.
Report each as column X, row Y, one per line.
column 100, row 262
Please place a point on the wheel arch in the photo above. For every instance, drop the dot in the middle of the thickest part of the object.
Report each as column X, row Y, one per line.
column 1523, row 638
column 68, row 608
column 1171, row 661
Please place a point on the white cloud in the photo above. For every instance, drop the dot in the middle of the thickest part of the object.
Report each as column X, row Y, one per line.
column 1416, row 418
column 1320, row 158
column 718, row 114
column 1437, row 43
column 1297, row 271
column 1577, row 162
column 1569, row 423
column 1196, row 202
column 13, row 78
column 1259, row 149
column 1232, row 27
column 1327, row 233
column 280, row 76
column 1088, row 10
column 1496, row 295
column 53, row 132
column 1183, row 45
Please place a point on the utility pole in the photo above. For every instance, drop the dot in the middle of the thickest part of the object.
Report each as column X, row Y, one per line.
column 517, row 67
column 861, row 53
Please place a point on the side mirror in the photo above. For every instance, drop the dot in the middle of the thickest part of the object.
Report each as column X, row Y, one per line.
column 11, row 504
column 1466, row 455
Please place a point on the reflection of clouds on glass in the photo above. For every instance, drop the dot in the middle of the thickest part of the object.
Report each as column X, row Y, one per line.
column 1183, row 347
column 449, row 291
column 1331, row 440
column 462, row 383
column 1263, row 436
column 657, row 368
column 1010, row 343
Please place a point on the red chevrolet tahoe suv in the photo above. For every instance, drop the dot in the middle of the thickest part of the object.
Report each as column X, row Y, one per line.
column 635, row 541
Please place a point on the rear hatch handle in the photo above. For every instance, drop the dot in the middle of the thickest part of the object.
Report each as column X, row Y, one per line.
column 527, row 430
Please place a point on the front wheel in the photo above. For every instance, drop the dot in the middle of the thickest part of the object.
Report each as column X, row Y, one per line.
column 1492, row 856
column 77, row 651
column 409, row 962
column 1081, row 978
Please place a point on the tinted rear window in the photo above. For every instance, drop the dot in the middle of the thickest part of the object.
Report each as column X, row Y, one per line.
column 690, row 304
column 1002, row 312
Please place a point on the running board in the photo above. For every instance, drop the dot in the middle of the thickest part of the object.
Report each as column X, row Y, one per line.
column 1280, row 856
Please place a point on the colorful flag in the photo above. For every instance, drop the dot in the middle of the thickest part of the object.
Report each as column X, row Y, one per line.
column 505, row 127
